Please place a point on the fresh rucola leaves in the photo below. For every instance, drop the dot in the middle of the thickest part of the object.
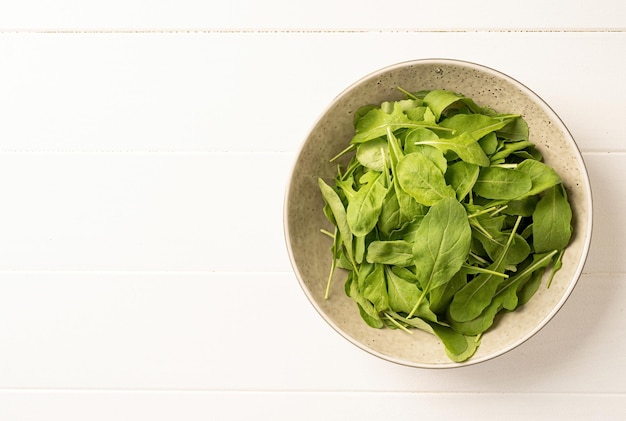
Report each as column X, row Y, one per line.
column 444, row 218
column 442, row 245
column 502, row 183
column 552, row 221
column 462, row 176
column 420, row 177
column 365, row 207
column 372, row 154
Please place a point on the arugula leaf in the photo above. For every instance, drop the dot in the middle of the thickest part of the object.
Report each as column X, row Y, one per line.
column 515, row 130
column 339, row 214
column 373, row 154
column 552, row 221
column 397, row 253
column 462, row 176
column 542, row 177
column 502, row 183
column 476, row 126
column 375, row 123
column 366, row 309
column 443, row 245
column 474, row 297
column 374, row 288
column 403, row 296
column 464, row 145
column 445, row 217
column 506, row 296
column 420, row 178
column 364, row 209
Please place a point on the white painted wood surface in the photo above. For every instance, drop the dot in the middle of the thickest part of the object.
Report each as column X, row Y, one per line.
column 145, row 149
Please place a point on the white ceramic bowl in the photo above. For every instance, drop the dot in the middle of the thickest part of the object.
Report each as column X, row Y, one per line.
column 303, row 216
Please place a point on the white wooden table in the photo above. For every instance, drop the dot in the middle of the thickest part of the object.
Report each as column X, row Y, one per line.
column 144, row 152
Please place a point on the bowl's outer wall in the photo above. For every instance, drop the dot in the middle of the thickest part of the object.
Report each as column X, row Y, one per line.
column 309, row 249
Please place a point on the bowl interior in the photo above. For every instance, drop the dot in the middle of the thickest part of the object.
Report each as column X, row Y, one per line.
column 309, row 249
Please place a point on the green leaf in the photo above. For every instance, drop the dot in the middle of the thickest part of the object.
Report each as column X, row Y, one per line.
column 427, row 214
column 557, row 265
column 421, row 179
column 458, row 347
column 375, row 123
column 366, row 309
column 479, row 324
column 523, row 207
column 397, row 253
column 433, row 154
column 475, row 126
column 473, row 298
column 502, row 183
column 473, row 342
column 409, row 207
column 495, row 245
column 508, row 149
column 373, row 154
column 375, row 288
column 515, row 130
column 418, row 136
column 408, row 231
column 489, row 143
column 552, row 221
column 542, row 176
column 443, row 243
column 439, row 100
column 465, row 146
column 364, row 209
column 461, row 176
column 339, row 214
column 391, row 217
column 403, row 295
column 359, row 249
column 441, row 296
column 506, row 296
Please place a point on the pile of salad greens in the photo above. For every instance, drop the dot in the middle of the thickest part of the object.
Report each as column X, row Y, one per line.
column 444, row 217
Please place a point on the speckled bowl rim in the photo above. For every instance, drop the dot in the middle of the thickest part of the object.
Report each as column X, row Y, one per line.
column 588, row 223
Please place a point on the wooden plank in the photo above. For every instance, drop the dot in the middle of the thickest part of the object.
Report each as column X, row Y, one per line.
column 228, row 91
column 324, row 14
column 257, row 332
column 181, row 212
column 229, row 406
column 191, row 211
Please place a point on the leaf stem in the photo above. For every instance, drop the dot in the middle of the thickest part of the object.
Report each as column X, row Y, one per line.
column 497, row 211
column 558, row 262
column 513, row 231
column 507, row 166
column 333, row 265
column 527, row 271
column 407, row 93
column 507, row 116
column 328, row 233
column 477, row 257
column 345, row 151
column 396, row 323
column 419, row 301
column 427, row 126
column 489, row 271
column 482, row 212
column 330, row 279
column 480, row 228
column 415, row 322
